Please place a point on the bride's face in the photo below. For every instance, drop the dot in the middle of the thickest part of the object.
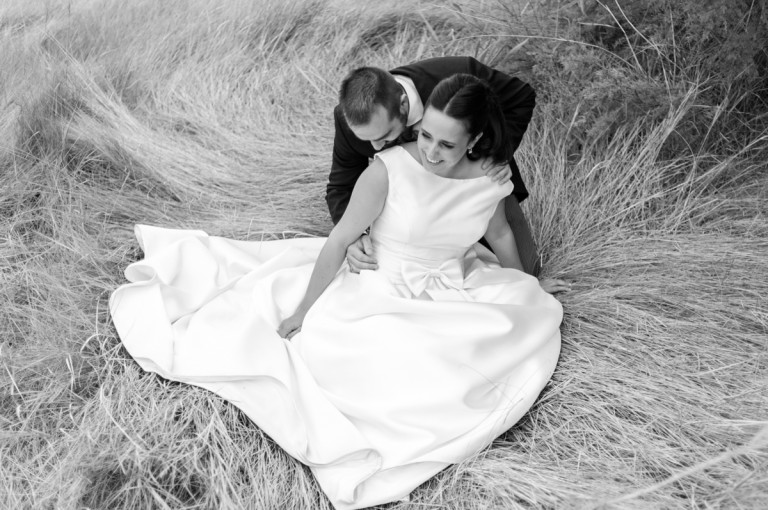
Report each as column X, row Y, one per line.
column 443, row 141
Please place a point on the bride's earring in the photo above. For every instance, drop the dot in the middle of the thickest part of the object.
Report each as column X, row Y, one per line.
column 469, row 151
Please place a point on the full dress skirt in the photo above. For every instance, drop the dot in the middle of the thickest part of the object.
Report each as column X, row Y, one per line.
column 396, row 373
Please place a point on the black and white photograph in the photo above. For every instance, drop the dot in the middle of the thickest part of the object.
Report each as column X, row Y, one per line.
column 383, row 254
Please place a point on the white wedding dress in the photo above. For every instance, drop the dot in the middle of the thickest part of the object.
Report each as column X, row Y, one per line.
column 396, row 374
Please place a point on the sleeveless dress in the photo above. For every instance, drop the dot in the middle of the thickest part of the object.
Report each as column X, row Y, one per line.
column 396, row 374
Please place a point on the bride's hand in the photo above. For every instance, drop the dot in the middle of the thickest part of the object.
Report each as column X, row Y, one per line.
column 552, row 285
column 290, row 326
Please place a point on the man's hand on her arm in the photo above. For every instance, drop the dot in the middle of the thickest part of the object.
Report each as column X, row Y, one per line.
column 497, row 173
column 360, row 255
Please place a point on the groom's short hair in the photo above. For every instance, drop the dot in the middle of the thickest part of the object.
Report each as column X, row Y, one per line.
column 363, row 89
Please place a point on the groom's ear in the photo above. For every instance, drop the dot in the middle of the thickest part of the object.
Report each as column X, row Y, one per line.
column 404, row 103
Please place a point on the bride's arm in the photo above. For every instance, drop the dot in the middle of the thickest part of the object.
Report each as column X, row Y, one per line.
column 499, row 235
column 365, row 205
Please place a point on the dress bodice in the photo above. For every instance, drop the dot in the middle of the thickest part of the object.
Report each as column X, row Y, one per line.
column 427, row 219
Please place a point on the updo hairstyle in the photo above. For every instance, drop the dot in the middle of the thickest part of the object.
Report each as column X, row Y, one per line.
column 471, row 101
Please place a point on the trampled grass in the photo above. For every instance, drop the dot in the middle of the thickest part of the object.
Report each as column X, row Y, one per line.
column 217, row 115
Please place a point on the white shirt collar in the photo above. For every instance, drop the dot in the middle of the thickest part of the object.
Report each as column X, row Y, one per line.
column 415, row 106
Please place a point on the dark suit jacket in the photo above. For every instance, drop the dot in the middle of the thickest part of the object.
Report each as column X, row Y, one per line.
column 350, row 154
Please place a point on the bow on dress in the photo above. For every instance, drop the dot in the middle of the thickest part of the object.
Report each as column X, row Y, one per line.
column 442, row 283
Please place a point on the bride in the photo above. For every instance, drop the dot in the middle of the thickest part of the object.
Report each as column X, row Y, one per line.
column 377, row 380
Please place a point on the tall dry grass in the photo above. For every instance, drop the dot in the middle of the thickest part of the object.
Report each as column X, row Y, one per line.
column 217, row 115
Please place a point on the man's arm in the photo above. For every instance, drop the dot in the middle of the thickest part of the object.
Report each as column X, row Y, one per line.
column 349, row 160
column 517, row 98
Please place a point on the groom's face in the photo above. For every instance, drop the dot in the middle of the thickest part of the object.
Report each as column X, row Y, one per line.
column 382, row 129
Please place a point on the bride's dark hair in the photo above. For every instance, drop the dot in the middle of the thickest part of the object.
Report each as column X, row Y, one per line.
column 470, row 100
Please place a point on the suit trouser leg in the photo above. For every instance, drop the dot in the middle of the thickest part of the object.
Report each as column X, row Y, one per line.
column 526, row 246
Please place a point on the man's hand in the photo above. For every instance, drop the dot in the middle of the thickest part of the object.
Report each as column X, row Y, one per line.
column 360, row 255
column 497, row 173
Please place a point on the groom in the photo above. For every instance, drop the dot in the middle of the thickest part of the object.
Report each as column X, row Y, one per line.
column 378, row 109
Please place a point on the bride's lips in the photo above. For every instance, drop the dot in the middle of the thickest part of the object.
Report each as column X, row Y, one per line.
column 431, row 161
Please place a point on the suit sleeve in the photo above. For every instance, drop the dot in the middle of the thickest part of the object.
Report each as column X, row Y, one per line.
column 348, row 162
column 517, row 99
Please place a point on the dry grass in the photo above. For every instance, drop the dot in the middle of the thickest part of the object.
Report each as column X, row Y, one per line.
column 217, row 116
